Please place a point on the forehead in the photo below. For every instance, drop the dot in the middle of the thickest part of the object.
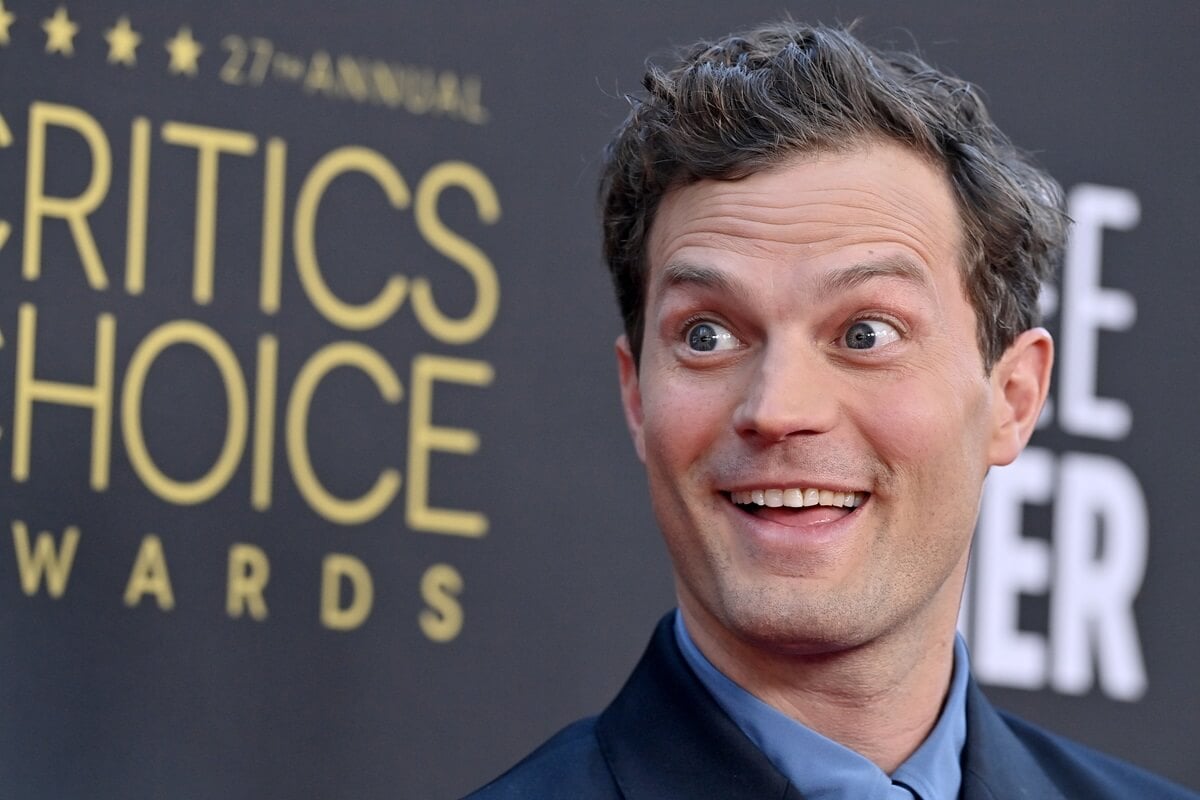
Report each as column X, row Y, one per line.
column 880, row 200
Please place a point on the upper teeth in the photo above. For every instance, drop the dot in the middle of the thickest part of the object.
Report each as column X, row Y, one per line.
column 798, row 498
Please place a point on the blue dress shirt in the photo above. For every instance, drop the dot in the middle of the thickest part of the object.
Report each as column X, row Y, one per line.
column 822, row 769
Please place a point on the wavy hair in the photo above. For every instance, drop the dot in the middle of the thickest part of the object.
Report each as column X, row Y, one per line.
column 751, row 101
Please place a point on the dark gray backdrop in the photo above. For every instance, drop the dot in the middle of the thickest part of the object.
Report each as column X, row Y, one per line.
column 101, row 699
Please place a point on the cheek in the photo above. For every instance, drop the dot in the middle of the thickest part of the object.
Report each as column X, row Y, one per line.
column 921, row 424
column 682, row 416
column 676, row 443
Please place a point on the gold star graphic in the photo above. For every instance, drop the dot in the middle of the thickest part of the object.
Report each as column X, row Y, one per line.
column 185, row 53
column 6, row 21
column 122, row 42
column 60, row 33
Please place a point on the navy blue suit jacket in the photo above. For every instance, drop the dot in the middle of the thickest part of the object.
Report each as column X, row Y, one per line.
column 664, row 737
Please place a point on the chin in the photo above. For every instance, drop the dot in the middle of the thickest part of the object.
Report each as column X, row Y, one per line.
column 786, row 620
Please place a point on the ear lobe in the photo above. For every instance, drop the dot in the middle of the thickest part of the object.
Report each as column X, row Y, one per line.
column 1020, row 382
column 631, row 395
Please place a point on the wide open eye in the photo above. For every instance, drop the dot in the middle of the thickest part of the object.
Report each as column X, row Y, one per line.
column 868, row 333
column 705, row 337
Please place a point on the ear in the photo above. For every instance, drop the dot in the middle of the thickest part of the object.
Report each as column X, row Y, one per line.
column 1020, row 382
column 631, row 395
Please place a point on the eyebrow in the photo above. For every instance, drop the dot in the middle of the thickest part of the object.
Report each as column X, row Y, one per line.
column 681, row 273
column 895, row 266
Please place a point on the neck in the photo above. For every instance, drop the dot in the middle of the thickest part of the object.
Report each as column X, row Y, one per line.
column 880, row 698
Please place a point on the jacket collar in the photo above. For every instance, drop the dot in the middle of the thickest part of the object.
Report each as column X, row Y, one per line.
column 665, row 737
column 996, row 765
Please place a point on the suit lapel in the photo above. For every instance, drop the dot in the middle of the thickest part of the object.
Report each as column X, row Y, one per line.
column 665, row 737
column 996, row 765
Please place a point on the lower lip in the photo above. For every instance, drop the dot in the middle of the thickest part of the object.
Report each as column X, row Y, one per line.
column 800, row 528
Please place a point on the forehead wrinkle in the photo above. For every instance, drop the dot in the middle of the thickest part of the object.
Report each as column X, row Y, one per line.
column 816, row 221
column 806, row 221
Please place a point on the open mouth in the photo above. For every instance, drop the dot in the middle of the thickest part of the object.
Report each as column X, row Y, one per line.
column 797, row 506
column 797, row 498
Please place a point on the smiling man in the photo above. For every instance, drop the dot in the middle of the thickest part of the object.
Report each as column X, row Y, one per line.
column 828, row 260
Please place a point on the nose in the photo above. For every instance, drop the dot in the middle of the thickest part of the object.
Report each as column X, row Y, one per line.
column 790, row 393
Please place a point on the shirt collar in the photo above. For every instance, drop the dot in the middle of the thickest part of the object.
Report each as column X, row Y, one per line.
column 822, row 769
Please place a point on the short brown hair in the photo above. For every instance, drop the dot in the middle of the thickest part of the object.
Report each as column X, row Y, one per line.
column 752, row 100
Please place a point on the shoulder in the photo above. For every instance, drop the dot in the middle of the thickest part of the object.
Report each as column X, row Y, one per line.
column 568, row 765
column 1006, row 757
column 1078, row 770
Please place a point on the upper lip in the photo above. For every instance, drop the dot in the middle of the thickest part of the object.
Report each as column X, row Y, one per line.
column 830, row 485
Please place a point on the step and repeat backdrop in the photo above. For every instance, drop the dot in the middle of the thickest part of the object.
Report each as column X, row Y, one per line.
column 313, row 480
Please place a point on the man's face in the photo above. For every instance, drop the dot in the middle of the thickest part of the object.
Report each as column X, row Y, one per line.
column 808, row 340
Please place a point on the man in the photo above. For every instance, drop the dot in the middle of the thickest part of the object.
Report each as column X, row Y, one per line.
column 828, row 261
